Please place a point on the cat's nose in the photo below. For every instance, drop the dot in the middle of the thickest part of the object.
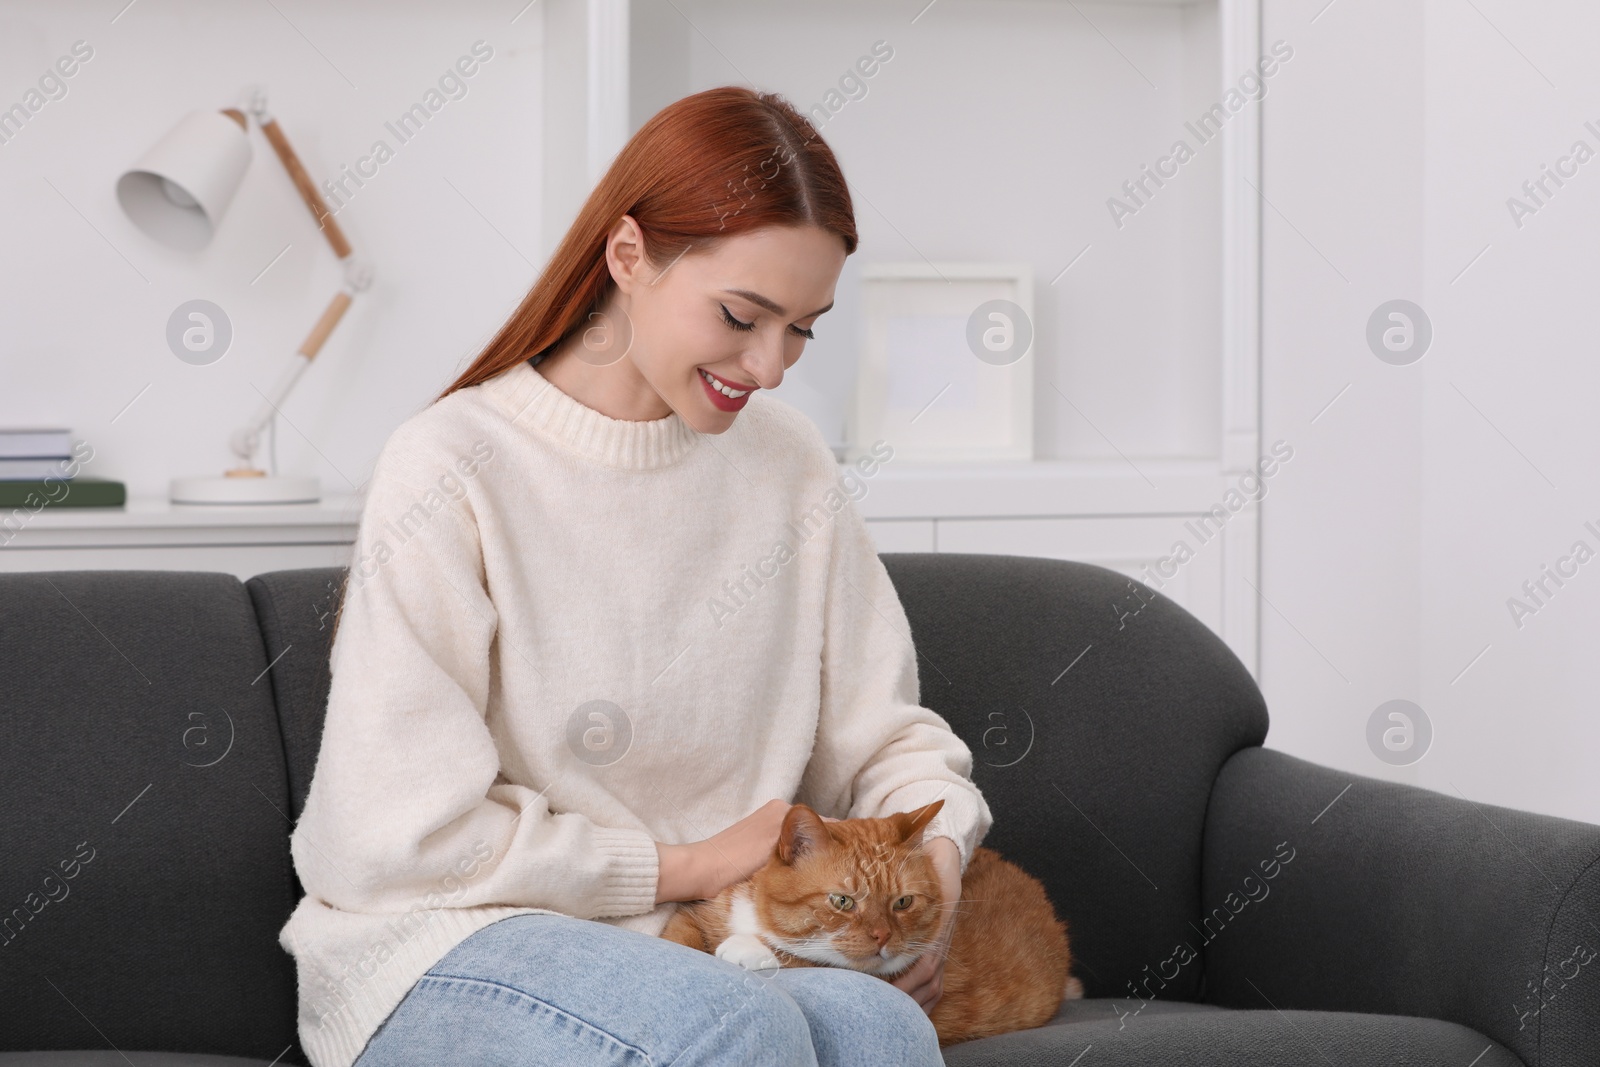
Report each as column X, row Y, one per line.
column 881, row 936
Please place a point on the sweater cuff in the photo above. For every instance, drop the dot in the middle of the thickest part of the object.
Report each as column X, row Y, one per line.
column 633, row 871
column 958, row 820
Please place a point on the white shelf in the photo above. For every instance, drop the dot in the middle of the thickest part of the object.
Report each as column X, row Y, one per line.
column 155, row 534
column 156, row 521
column 159, row 511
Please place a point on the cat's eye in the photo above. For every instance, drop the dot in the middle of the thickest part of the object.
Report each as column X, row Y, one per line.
column 903, row 903
column 840, row 901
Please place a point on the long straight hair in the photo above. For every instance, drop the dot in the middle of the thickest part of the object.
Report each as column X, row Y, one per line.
column 718, row 163
column 711, row 165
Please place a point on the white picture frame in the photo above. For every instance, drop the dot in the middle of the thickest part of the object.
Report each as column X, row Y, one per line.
column 940, row 377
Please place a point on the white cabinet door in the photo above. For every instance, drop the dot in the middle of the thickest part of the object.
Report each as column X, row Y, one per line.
column 901, row 535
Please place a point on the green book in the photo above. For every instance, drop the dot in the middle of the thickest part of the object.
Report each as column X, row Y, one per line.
column 73, row 493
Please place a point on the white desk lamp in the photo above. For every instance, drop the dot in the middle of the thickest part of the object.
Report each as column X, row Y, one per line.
column 177, row 193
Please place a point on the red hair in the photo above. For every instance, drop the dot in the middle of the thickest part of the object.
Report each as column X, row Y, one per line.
column 715, row 164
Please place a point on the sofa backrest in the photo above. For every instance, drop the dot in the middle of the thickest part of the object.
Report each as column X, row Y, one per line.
column 146, row 867
column 1098, row 713
column 151, row 788
column 296, row 610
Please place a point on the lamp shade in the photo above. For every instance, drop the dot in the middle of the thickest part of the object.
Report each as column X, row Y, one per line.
column 178, row 191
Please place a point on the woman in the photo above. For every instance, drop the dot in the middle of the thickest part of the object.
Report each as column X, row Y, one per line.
column 606, row 619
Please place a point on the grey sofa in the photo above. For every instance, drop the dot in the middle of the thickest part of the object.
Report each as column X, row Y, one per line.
column 1228, row 904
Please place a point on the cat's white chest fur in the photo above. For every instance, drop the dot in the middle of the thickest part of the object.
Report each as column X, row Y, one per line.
column 743, row 945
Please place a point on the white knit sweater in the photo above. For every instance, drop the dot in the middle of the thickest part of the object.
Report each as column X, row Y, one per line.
column 566, row 637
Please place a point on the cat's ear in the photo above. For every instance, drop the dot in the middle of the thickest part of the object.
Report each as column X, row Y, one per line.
column 909, row 824
column 803, row 832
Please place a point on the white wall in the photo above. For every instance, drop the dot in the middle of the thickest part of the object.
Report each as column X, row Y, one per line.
column 451, row 224
column 1421, row 500
column 1511, row 438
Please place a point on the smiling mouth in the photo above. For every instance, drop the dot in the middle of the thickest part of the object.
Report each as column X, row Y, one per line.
column 727, row 389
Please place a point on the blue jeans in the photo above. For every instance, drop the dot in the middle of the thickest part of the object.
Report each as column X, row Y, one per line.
column 555, row 991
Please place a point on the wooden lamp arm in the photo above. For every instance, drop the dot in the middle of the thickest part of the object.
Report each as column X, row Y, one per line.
column 358, row 276
column 325, row 325
column 297, row 171
column 308, row 191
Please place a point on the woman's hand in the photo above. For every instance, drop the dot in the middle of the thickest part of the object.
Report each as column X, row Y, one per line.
column 705, row 868
column 925, row 978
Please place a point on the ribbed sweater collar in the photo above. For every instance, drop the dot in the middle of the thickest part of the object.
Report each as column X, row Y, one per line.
column 532, row 400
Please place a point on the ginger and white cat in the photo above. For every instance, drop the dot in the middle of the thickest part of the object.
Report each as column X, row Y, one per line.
column 864, row 894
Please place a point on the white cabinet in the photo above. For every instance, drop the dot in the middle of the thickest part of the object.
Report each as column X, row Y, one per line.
column 902, row 535
column 1179, row 527
column 1040, row 509
column 157, row 535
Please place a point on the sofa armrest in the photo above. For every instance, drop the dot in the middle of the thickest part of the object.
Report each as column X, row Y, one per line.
column 1401, row 901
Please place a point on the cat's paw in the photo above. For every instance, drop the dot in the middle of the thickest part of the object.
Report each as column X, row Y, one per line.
column 748, row 952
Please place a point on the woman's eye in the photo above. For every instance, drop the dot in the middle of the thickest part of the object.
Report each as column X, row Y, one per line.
column 733, row 322
column 736, row 324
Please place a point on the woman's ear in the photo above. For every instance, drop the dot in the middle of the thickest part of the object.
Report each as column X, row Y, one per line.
column 625, row 254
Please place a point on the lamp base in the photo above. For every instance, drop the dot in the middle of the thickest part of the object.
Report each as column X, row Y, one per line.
column 266, row 489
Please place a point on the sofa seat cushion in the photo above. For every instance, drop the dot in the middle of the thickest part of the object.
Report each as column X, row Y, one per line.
column 1178, row 1034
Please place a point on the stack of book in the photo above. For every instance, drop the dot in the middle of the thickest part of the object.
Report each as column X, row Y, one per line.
column 39, row 468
